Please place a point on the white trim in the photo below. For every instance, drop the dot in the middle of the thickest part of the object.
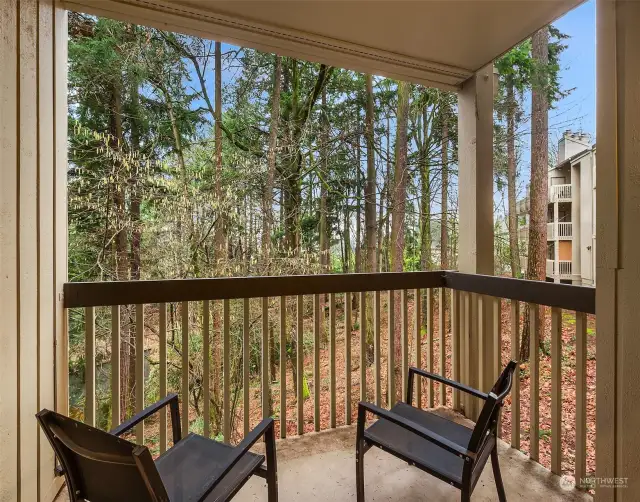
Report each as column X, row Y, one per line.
column 279, row 40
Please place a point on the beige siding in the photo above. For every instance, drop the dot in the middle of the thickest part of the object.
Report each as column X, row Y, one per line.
column 33, row 163
column 475, row 139
column 618, row 265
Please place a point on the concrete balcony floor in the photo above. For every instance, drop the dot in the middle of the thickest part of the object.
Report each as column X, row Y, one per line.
column 321, row 467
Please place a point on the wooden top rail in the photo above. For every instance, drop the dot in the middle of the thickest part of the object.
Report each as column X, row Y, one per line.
column 552, row 294
column 95, row 294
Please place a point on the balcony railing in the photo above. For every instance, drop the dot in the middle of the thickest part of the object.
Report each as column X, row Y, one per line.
column 560, row 193
column 564, row 268
column 561, row 230
column 565, row 230
column 211, row 302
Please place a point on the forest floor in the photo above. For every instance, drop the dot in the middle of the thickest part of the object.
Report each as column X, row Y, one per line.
column 568, row 387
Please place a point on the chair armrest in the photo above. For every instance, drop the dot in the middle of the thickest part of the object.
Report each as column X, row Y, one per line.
column 417, row 429
column 171, row 400
column 446, row 381
column 263, row 428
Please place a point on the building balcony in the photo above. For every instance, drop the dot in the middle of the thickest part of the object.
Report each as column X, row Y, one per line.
column 561, row 230
column 314, row 384
column 561, row 271
column 560, row 193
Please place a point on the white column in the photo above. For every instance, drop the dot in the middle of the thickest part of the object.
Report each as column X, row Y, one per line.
column 576, row 202
column 475, row 185
column 556, row 241
column 618, row 261
column 33, row 167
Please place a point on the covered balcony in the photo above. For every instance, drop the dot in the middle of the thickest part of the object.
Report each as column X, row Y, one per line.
column 464, row 324
column 560, row 193
column 310, row 379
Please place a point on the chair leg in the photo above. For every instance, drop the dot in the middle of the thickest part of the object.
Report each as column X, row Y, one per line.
column 272, row 468
column 465, row 494
column 360, row 470
column 496, row 474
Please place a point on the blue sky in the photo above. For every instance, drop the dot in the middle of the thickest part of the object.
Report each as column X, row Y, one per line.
column 578, row 71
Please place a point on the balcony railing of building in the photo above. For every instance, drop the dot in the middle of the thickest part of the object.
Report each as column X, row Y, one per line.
column 467, row 295
column 561, row 230
column 565, row 230
column 564, row 268
column 559, row 193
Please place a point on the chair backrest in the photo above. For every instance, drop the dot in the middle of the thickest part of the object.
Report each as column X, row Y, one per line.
column 99, row 466
column 488, row 419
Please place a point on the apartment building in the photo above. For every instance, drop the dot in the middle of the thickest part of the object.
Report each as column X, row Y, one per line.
column 571, row 213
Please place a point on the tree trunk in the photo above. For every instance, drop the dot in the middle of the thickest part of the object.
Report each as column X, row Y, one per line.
column 346, row 267
column 511, row 183
column 324, row 229
column 219, row 230
column 267, row 198
column 358, row 243
column 370, row 187
column 444, row 194
column 127, row 355
column 371, row 262
column 425, row 198
column 399, row 201
column 539, row 166
column 444, row 201
column 136, row 189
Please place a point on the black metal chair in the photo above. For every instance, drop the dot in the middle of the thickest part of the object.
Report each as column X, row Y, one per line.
column 102, row 467
column 440, row 447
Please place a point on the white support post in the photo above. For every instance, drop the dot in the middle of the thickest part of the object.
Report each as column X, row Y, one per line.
column 33, row 247
column 556, row 240
column 475, row 136
column 618, row 264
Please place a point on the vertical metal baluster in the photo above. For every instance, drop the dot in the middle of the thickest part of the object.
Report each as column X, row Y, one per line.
column 226, row 375
column 266, row 387
column 442, row 341
column 417, row 326
column 556, row 391
column 283, row 367
column 391, row 367
column 363, row 346
column 162, row 319
column 316, row 362
column 115, row 366
column 430, row 324
column 497, row 337
column 347, row 358
column 581, row 397
column 515, row 388
column 332, row 358
column 206, row 369
column 534, row 382
column 246, row 354
column 300, row 365
column 90, row 366
column 405, row 341
column 376, row 347
column 140, row 370
column 185, row 369
column 455, row 346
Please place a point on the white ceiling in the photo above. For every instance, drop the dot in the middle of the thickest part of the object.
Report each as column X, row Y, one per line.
column 438, row 42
